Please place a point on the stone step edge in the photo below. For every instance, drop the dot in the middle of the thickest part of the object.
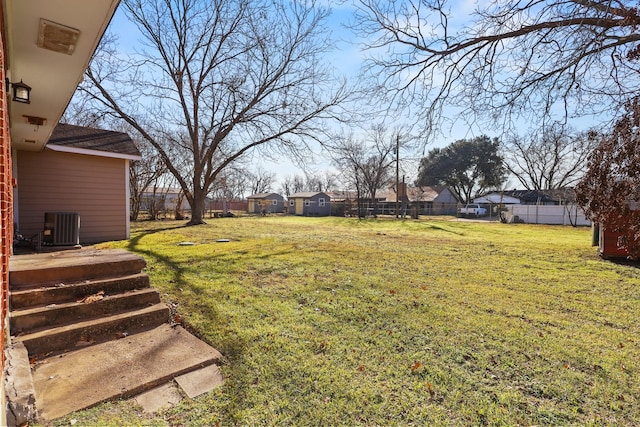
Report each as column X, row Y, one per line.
column 94, row 331
column 18, row 318
column 61, row 292
column 30, row 278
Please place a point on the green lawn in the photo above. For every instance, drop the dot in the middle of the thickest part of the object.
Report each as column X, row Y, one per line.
column 334, row 321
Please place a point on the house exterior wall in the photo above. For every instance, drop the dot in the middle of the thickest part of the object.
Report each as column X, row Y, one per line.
column 6, row 207
column 446, row 197
column 95, row 187
column 311, row 206
column 254, row 206
column 273, row 203
column 320, row 205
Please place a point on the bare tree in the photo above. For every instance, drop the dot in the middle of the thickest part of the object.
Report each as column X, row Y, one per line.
column 261, row 180
column 286, row 186
column 231, row 184
column 507, row 59
column 320, row 181
column 219, row 79
column 610, row 190
column 555, row 158
column 292, row 184
column 366, row 164
column 143, row 174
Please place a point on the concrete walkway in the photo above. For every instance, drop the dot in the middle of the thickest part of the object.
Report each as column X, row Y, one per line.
column 122, row 368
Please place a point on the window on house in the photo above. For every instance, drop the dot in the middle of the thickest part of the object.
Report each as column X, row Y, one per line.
column 274, row 202
column 307, row 203
column 291, row 203
column 321, row 202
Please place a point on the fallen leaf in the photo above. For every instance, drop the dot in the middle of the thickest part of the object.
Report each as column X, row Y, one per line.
column 416, row 365
column 430, row 389
column 93, row 298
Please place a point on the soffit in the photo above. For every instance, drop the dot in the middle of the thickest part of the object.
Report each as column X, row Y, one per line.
column 40, row 35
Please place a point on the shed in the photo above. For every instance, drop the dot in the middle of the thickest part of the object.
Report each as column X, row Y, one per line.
column 310, row 204
column 265, row 202
column 81, row 170
column 607, row 242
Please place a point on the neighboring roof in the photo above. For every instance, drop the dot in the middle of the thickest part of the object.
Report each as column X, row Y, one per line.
column 414, row 194
column 263, row 195
column 71, row 138
column 341, row 196
column 497, row 198
column 544, row 196
column 425, row 193
column 386, row 195
column 306, row 194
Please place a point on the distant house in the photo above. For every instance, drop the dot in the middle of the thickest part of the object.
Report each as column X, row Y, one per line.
column 422, row 200
column 310, row 204
column 436, row 200
column 163, row 199
column 83, row 171
column 266, row 202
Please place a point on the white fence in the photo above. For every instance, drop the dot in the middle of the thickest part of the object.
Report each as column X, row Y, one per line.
column 543, row 214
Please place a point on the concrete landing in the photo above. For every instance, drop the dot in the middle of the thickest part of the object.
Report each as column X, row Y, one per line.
column 117, row 369
column 68, row 266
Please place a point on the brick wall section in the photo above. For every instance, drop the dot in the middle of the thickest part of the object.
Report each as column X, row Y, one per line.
column 6, row 194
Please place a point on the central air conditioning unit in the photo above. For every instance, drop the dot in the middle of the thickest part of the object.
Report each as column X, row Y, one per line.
column 61, row 229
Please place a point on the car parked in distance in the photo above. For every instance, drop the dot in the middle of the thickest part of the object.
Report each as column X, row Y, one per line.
column 472, row 210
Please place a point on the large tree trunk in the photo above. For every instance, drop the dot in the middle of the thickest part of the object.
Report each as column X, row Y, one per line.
column 197, row 208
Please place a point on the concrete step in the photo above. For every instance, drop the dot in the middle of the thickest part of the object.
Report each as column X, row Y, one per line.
column 94, row 306
column 94, row 331
column 68, row 292
column 35, row 270
column 117, row 369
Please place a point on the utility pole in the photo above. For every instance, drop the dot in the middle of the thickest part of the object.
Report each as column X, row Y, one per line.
column 397, row 174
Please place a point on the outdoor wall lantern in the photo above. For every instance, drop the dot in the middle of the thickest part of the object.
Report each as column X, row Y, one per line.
column 21, row 92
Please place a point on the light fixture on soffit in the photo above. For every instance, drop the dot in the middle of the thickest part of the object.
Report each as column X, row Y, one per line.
column 57, row 37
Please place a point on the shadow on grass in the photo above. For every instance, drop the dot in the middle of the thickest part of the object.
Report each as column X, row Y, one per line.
column 178, row 270
column 232, row 346
column 624, row 262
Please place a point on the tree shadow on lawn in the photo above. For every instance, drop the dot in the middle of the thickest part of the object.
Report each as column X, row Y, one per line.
column 177, row 268
column 233, row 346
